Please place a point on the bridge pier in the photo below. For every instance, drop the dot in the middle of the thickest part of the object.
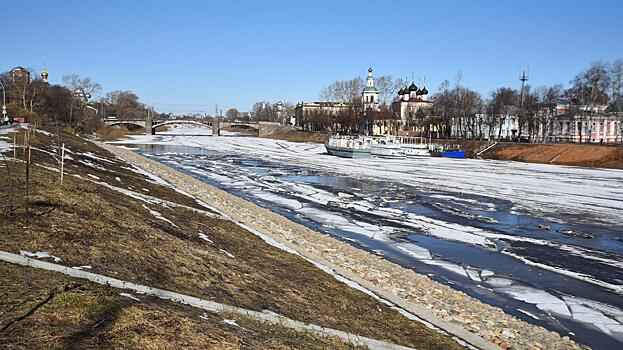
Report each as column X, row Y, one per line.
column 216, row 127
column 149, row 129
column 267, row 128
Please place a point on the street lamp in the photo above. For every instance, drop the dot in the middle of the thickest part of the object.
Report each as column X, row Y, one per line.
column 3, row 101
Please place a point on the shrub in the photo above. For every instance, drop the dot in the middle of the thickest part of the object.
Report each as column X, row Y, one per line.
column 106, row 132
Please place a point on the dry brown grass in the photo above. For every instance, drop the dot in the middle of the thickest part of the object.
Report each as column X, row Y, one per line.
column 564, row 154
column 109, row 133
column 287, row 134
column 45, row 310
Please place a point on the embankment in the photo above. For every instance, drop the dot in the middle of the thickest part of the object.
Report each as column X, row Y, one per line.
column 587, row 155
column 562, row 154
column 290, row 134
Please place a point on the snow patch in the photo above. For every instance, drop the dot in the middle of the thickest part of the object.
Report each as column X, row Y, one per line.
column 128, row 295
column 39, row 255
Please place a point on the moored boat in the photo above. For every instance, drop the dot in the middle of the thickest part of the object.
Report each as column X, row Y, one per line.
column 414, row 146
column 348, row 147
column 386, row 147
column 453, row 151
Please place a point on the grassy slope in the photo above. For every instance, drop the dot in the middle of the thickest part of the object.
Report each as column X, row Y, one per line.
column 46, row 310
column 564, row 154
column 85, row 223
column 287, row 134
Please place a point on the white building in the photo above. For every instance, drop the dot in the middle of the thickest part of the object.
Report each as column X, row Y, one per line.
column 369, row 94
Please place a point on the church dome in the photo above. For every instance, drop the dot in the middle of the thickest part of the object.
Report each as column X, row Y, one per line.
column 424, row 91
column 418, row 92
column 412, row 87
column 370, row 89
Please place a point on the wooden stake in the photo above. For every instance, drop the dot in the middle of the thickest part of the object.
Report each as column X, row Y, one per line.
column 62, row 162
column 27, row 182
column 14, row 147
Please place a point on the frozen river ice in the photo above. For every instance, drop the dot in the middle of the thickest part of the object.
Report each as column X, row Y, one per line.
column 514, row 235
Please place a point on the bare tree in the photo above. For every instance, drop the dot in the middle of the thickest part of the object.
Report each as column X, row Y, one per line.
column 590, row 87
column 36, row 89
column 232, row 114
column 502, row 104
column 616, row 82
column 73, row 82
column 343, row 91
column 546, row 101
column 20, row 88
column 263, row 111
column 124, row 104
column 387, row 87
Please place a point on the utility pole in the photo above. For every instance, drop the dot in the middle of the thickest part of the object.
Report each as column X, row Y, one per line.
column 523, row 80
column 216, row 122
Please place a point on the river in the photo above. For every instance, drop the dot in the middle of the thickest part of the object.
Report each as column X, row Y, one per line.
column 542, row 242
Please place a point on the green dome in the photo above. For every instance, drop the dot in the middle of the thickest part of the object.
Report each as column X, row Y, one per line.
column 370, row 89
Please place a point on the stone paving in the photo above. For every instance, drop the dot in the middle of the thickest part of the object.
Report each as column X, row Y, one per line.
column 375, row 273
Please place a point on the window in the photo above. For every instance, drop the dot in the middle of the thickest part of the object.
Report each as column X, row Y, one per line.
column 372, row 98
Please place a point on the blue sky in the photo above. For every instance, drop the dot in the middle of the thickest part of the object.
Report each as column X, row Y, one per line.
column 187, row 56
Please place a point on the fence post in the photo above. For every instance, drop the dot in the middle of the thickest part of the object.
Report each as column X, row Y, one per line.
column 62, row 162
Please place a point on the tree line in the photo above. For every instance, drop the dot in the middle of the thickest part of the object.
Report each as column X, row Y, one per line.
column 72, row 103
column 471, row 114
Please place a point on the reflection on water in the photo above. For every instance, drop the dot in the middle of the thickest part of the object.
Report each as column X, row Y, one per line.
column 337, row 182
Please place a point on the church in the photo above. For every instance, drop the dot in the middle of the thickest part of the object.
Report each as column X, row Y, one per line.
column 370, row 94
column 413, row 106
column 407, row 112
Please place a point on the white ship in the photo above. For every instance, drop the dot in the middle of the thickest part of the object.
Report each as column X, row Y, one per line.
column 414, row 146
column 348, row 146
column 386, row 147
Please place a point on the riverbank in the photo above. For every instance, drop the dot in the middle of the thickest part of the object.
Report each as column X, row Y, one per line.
column 586, row 155
column 114, row 219
column 563, row 154
column 403, row 286
column 290, row 134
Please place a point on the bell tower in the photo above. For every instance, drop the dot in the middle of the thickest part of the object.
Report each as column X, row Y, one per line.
column 370, row 95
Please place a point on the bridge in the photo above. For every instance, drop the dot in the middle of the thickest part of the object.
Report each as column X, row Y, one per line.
column 150, row 125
